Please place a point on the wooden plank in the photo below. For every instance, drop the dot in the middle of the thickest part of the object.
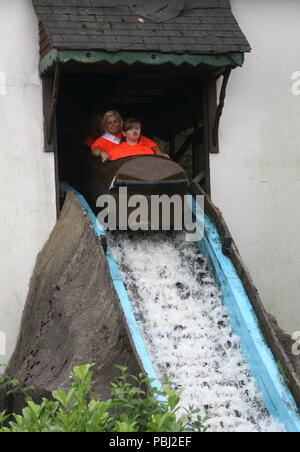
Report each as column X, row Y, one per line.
column 209, row 93
column 207, row 133
column 197, row 135
column 53, row 104
column 43, row 34
column 46, row 52
column 199, row 177
column 219, row 111
column 217, row 73
column 45, row 44
column 47, row 82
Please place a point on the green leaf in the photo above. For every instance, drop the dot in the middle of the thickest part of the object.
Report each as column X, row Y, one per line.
column 14, row 383
column 82, row 371
column 70, row 394
column 133, row 407
column 61, row 396
column 125, row 427
column 36, row 409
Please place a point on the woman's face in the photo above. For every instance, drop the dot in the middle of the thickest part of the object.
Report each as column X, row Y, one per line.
column 113, row 124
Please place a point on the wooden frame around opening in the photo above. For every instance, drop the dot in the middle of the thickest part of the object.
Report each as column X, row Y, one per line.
column 209, row 111
column 204, row 142
column 47, row 84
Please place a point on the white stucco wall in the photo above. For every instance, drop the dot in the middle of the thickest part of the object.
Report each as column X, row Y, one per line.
column 27, row 183
column 256, row 176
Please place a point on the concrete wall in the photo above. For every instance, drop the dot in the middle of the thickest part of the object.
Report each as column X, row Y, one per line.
column 256, row 176
column 27, row 183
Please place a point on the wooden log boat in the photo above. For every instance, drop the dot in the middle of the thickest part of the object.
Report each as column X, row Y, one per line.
column 145, row 175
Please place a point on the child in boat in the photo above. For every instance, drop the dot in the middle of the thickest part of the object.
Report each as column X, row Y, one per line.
column 113, row 125
column 133, row 142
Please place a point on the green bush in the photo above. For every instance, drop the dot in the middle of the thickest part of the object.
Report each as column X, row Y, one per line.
column 134, row 406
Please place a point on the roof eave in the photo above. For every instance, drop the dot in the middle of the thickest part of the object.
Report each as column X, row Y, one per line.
column 64, row 56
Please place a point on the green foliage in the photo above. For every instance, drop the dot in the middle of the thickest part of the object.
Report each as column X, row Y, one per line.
column 134, row 406
column 186, row 162
column 15, row 385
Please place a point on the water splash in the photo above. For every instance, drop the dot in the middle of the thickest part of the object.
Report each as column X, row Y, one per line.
column 187, row 332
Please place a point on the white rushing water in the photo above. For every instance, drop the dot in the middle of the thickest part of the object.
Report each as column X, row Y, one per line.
column 186, row 330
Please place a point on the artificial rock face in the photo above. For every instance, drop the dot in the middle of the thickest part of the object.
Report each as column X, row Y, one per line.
column 72, row 314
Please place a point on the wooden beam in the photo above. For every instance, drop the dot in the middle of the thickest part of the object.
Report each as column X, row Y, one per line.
column 207, row 123
column 199, row 178
column 209, row 100
column 197, row 135
column 54, row 100
column 47, row 82
column 52, row 147
column 219, row 112
column 217, row 73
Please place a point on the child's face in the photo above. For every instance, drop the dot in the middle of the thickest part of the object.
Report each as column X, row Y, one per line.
column 134, row 133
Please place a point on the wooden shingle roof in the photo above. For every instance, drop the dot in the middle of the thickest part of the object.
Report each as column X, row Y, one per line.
column 181, row 27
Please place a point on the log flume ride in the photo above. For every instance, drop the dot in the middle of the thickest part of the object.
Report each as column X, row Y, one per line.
column 145, row 175
column 157, row 304
column 156, row 175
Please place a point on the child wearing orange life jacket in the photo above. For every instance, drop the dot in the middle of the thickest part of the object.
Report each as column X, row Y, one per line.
column 107, row 142
column 135, row 144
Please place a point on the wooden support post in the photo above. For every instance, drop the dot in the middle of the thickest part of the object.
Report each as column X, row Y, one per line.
column 197, row 135
column 47, row 82
column 54, row 100
column 199, row 178
column 51, row 145
column 219, row 111
column 209, row 96
column 211, row 115
column 217, row 73
column 207, row 125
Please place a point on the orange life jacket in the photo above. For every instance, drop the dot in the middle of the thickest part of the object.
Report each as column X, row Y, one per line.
column 127, row 150
column 147, row 142
column 108, row 142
